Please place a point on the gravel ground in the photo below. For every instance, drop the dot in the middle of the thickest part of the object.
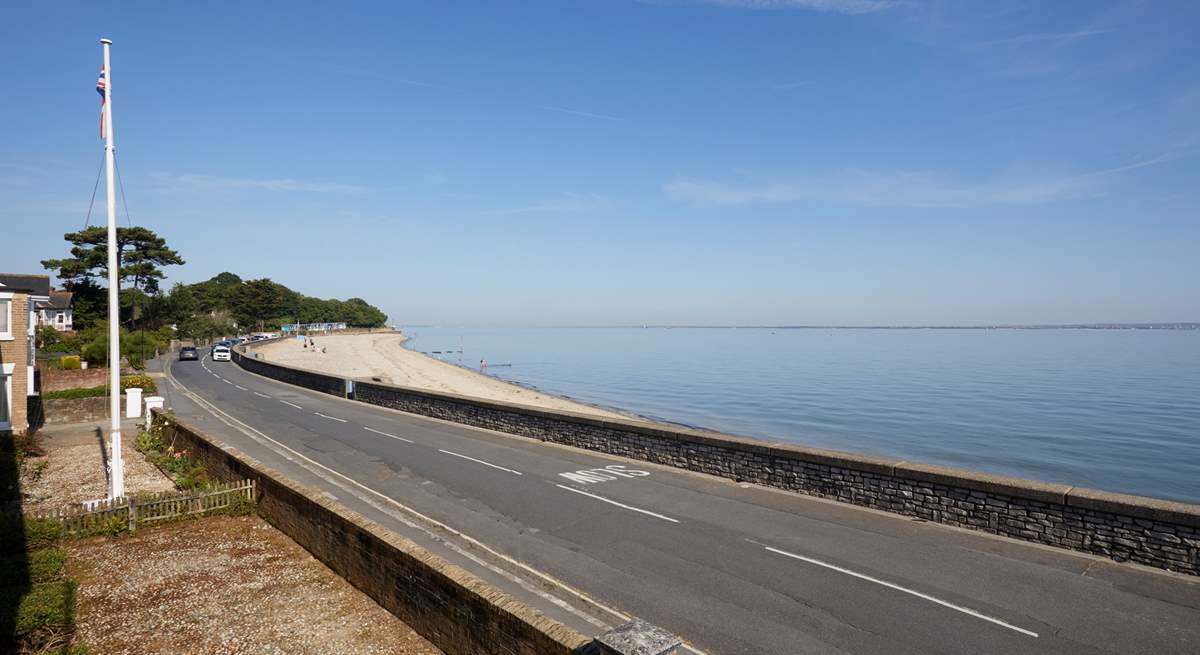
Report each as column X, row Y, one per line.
column 226, row 585
column 74, row 472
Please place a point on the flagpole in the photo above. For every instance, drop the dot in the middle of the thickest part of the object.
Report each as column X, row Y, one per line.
column 116, row 487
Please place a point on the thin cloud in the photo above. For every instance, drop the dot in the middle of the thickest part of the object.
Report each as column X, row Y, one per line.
column 568, row 202
column 1049, row 37
column 576, row 112
column 922, row 190
column 199, row 182
column 787, row 86
column 826, row 6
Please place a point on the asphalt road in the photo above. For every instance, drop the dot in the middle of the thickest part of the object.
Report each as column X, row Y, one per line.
column 731, row 568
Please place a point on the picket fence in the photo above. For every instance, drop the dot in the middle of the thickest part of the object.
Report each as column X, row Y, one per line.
column 148, row 508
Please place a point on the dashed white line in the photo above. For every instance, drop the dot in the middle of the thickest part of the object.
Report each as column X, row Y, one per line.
column 292, row 404
column 889, row 585
column 263, row 395
column 480, row 461
column 226, row 381
column 387, row 435
column 241, row 387
column 613, row 502
column 332, row 418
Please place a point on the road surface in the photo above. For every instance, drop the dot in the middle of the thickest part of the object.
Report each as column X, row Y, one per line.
column 732, row 568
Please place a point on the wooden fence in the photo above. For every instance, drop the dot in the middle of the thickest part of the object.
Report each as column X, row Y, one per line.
column 148, row 508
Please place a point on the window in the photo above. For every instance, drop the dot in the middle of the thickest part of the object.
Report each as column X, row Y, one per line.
column 6, row 396
column 6, row 318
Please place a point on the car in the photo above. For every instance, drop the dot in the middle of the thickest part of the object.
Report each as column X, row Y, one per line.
column 188, row 353
column 221, row 354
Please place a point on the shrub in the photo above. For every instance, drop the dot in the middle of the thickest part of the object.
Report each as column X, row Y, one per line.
column 83, row 392
column 143, row 382
column 240, row 506
column 70, row 363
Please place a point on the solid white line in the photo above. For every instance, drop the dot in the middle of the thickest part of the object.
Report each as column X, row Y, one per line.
column 480, row 461
column 613, row 502
column 261, row 394
column 889, row 585
column 241, row 387
column 246, row 429
column 292, row 404
column 387, row 435
column 332, row 418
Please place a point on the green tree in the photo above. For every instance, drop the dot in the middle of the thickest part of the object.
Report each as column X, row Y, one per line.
column 141, row 256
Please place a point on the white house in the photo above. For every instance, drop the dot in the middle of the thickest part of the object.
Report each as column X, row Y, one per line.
column 56, row 312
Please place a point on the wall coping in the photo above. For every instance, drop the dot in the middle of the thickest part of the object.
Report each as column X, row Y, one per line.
column 1082, row 498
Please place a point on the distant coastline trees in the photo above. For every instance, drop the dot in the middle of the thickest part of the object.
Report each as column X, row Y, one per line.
column 150, row 318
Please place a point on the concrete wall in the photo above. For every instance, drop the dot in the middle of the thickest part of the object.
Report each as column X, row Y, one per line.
column 1149, row 531
column 448, row 606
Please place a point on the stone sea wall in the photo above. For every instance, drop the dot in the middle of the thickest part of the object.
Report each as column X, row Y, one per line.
column 1148, row 531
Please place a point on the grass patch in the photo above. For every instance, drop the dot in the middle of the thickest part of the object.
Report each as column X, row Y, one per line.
column 45, row 565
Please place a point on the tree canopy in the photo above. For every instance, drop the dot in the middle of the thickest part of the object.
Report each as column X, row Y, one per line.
column 265, row 303
column 141, row 256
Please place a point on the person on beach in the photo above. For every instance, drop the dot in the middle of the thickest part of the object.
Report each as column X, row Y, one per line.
column 482, row 364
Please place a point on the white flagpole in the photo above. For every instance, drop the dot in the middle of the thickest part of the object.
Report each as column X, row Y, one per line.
column 116, row 487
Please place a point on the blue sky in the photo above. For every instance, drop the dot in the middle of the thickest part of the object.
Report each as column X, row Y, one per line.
column 620, row 162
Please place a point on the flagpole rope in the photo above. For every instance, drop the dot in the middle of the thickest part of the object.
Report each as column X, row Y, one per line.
column 87, row 221
column 121, row 183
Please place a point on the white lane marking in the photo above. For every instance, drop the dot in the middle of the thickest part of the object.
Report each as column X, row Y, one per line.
column 226, row 381
column 215, row 375
column 890, row 585
column 241, row 387
column 292, row 404
column 261, row 394
column 449, row 452
column 312, row 464
column 332, row 418
column 613, row 502
column 387, row 435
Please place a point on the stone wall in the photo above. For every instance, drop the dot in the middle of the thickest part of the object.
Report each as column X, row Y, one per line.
column 1149, row 531
column 459, row 613
column 322, row 382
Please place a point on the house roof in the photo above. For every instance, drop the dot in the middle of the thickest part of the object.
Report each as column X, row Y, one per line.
column 60, row 299
column 36, row 285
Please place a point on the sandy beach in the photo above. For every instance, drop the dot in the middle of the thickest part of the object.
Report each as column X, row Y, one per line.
column 383, row 356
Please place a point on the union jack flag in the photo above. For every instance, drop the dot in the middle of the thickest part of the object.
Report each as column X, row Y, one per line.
column 101, row 83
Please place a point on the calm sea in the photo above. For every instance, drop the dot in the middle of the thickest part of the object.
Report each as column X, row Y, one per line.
column 1111, row 409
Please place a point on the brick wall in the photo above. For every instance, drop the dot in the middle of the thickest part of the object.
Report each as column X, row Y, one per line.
column 16, row 352
column 75, row 410
column 58, row 379
column 459, row 613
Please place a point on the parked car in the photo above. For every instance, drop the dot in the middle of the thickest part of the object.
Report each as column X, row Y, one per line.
column 188, row 352
column 221, row 354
